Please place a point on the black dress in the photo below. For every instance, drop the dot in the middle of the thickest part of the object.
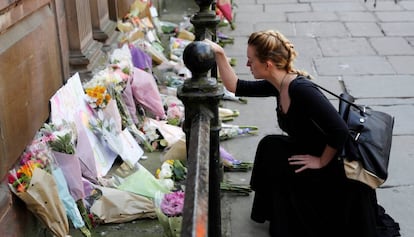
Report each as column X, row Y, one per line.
column 314, row 202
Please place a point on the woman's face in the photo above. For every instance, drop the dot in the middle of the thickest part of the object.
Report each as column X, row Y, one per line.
column 257, row 68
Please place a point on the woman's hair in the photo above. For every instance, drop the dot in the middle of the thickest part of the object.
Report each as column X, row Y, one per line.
column 272, row 45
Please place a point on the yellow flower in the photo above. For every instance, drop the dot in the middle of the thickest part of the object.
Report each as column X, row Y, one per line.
column 157, row 173
column 100, row 89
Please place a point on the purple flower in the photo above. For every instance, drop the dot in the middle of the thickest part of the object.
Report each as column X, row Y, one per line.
column 172, row 204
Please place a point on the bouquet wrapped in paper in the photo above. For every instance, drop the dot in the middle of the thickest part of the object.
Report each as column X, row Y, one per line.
column 142, row 182
column 62, row 139
column 169, row 209
column 230, row 131
column 32, row 181
column 118, row 206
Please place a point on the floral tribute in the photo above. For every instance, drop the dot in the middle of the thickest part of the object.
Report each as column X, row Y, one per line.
column 172, row 174
column 172, row 204
column 20, row 178
column 124, row 96
column 33, row 182
column 169, row 209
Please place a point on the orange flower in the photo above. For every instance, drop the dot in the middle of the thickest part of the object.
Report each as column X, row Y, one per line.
column 21, row 188
column 27, row 169
column 107, row 97
column 99, row 102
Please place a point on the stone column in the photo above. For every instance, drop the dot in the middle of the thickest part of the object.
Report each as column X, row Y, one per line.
column 113, row 10
column 84, row 52
column 103, row 29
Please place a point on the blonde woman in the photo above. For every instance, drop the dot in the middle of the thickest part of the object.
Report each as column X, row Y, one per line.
column 299, row 182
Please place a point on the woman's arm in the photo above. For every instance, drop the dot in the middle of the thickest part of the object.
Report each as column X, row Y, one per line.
column 327, row 119
column 227, row 74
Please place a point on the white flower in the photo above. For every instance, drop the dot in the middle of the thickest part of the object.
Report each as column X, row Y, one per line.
column 150, row 131
column 168, row 183
column 165, row 174
column 166, row 166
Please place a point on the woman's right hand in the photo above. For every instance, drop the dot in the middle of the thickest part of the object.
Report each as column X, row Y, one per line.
column 217, row 49
column 226, row 72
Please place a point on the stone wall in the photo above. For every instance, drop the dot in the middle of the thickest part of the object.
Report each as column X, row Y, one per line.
column 42, row 43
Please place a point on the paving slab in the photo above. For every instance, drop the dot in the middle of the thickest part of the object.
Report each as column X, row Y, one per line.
column 391, row 16
column 359, row 16
column 392, row 45
column 402, row 64
column 398, row 28
column 407, row 5
column 380, row 86
column 361, row 65
column 311, row 16
column 321, row 29
column 364, row 29
column 338, row 6
column 345, row 47
column 398, row 202
column 277, row 7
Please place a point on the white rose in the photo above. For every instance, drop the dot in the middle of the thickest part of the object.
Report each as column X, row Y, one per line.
column 168, row 183
column 165, row 173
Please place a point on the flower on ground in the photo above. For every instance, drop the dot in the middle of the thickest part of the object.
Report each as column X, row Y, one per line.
column 34, row 157
column 173, row 203
column 174, row 114
column 153, row 136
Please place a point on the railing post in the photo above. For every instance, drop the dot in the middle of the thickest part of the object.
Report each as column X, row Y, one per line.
column 200, row 94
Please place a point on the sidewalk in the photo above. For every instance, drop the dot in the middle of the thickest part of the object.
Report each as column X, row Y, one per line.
column 371, row 49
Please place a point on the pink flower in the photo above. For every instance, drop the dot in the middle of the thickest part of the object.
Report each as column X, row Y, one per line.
column 172, row 204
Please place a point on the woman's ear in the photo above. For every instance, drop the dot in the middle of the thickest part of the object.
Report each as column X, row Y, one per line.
column 269, row 64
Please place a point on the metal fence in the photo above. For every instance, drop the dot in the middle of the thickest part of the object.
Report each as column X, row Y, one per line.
column 200, row 96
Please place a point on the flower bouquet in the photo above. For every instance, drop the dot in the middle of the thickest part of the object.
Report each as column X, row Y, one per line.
column 142, row 182
column 161, row 134
column 172, row 174
column 153, row 135
column 62, row 141
column 175, row 115
column 169, row 209
column 33, row 183
column 231, row 96
column 229, row 131
column 120, row 104
column 227, row 114
column 232, row 164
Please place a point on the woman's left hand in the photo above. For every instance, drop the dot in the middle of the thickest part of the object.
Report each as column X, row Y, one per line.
column 306, row 161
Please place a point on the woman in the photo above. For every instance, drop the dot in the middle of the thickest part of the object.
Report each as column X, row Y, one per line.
column 299, row 183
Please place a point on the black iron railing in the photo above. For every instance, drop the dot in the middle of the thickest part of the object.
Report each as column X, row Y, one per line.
column 200, row 96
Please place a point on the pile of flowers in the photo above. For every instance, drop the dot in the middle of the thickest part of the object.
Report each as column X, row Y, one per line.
column 121, row 97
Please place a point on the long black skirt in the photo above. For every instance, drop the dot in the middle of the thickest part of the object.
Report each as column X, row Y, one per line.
column 312, row 203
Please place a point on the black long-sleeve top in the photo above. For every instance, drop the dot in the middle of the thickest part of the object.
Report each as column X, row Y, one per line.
column 311, row 119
